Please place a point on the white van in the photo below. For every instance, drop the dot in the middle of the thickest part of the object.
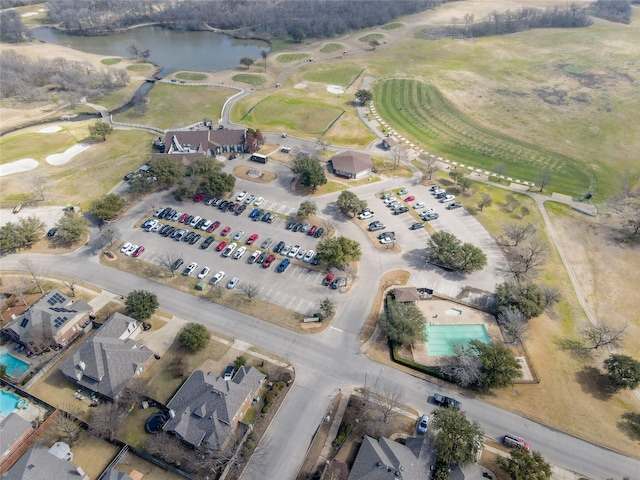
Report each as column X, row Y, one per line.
column 195, row 220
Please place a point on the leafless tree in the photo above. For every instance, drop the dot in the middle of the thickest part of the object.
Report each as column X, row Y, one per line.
column 35, row 271
column 250, row 290
column 38, row 184
column 399, row 154
column 19, row 286
column 337, row 471
column 168, row 260
column 467, row 368
column 551, row 295
column 349, row 272
column 108, row 235
column 105, row 420
column 431, row 165
column 544, row 177
column 71, row 285
column 526, row 259
column 511, row 203
column 323, row 144
column 328, row 226
column 217, row 290
column 524, row 211
column 516, row 232
column 602, row 335
column 264, row 53
column 167, row 447
column 514, row 324
column 65, row 424
column 385, row 401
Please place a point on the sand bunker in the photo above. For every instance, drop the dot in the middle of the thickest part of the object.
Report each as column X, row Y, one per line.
column 53, row 129
column 68, row 154
column 335, row 89
column 300, row 86
column 29, row 14
column 23, row 165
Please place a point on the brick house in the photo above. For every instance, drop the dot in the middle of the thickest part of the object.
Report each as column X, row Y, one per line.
column 206, row 409
column 53, row 321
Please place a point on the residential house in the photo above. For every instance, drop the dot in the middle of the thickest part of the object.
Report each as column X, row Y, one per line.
column 208, row 142
column 385, row 459
column 38, row 463
column 14, row 430
column 351, row 164
column 206, row 409
column 406, row 295
column 110, row 359
column 53, row 321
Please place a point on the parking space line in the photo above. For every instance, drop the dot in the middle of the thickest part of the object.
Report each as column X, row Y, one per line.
column 290, row 302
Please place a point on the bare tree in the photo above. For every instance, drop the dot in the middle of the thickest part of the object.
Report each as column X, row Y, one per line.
column 65, row 424
column 526, row 259
column 264, row 54
column 349, row 273
column 551, row 295
column 35, row 271
column 524, row 211
column 467, row 368
column 18, row 286
column 544, row 177
column 217, row 290
column 250, row 290
column 328, row 226
column 385, row 401
column 167, row 447
column 511, row 202
column 38, row 184
column 105, row 420
column 514, row 324
column 71, row 285
column 516, row 232
column 596, row 336
column 168, row 260
column 108, row 235
column 323, row 144
column 431, row 165
column 399, row 154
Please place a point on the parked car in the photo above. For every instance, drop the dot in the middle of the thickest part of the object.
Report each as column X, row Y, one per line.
column 268, row 261
column 262, row 257
column 252, row 238
column 229, row 249
column 416, row 226
column 285, row 250
column 445, row 401
column 199, row 197
column 318, row 233
column 125, row 247
column 204, row 272
column 182, row 218
column 241, row 196
column 228, row 373
column 312, row 230
column 290, row 225
column 190, row 268
column 239, row 253
column 400, row 210
column 305, row 227
column 448, row 198
column 266, row 217
column 130, row 250
column 138, row 251
column 206, row 224
column 375, row 226
column 283, row 265
column 315, row 260
column 254, row 256
column 410, row 198
column 437, row 191
column 193, row 240
column 418, row 205
column 221, row 246
column 423, row 424
column 387, row 240
column 233, row 282
column 156, row 227
column 279, row 246
column 249, row 199
column 366, row 215
column 253, row 213
column 158, row 212
column 177, row 264
column 52, row 232
column 336, row 283
column 294, row 251
column 402, row 191
column 207, row 243
column 511, row 440
column 258, row 216
column 308, row 256
column 272, row 218
column 238, row 235
column 217, row 278
column 433, row 188
column 225, row 231
column 266, row 243
column 258, row 201
column 297, row 227
column 213, row 226
column 328, row 279
column 240, row 209
column 301, row 253
column 453, row 206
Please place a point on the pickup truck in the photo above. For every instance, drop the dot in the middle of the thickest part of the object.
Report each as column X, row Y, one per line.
column 443, row 401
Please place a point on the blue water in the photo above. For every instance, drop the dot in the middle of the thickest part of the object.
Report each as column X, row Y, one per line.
column 15, row 366
column 8, row 402
column 442, row 338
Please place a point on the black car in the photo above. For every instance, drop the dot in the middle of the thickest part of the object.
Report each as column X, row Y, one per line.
column 164, row 229
column 266, row 217
column 258, row 216
column 263, row 256
column 223, row 204
column 207, row 243
column 168, row 231
column 201, row 222
column 290, row 224
column 52, row 232
column 318, row 233
column 188, row 236
column 315, row 260
column 416, row 226
column 441, row 195
column 177, row 264
column 193, row 240
column 297, row 227
column 453, row 205
column 240, row 209
column 232, row 207
column 279, row 246
column 336, row 283
column 188, row 220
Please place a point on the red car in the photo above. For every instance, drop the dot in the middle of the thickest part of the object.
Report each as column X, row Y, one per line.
column 312, row 230
column 410, row 198
column 199, row 197
column 268, row 261
column 328, row 279
column 183, row 217
column 252, row 239
column 221, row 246
column 213, row 226
column 225, row 231
column 138, row 251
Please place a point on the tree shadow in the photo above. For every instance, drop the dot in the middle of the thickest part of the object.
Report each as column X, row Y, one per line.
column 574, row 347
column 629, row 424
column 595, row 383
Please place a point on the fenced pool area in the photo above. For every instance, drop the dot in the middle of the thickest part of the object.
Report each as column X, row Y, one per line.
column 442, row 338
column 15, row 366
column 8, row 403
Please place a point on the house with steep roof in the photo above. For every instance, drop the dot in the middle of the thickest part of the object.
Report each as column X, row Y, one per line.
column 110, row 359
column 351, row 164
column 53, row 321
column 206, row 409
column 406, row 295
column 37, row 463
column 14, row 431
column 386, row 459
column 207, row 142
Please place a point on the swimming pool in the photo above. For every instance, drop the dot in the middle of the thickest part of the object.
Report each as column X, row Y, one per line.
column 15, row 366
column 8, row 402
column 442, row 338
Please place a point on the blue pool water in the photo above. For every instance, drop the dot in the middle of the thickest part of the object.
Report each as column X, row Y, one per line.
column 8, row 402
column 442, row 338
column 15, row 366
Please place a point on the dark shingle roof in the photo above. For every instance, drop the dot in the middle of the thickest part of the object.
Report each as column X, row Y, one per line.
column 38, row 464
column 12, row 428
column 389, row 460
column 201, row 141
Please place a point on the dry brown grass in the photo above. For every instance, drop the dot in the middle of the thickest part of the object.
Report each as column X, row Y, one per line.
column 241, row 171
column 489, row 461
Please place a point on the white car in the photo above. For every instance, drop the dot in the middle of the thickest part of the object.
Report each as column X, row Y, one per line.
column 300, row 254
column 190, row 268
column 437, row 191
column 239, row 253
column 131, row 249
column 387, row 240
column 195, row 220
column 390, row 200
column 249, row 199
column 427, row 212
column 258, row 201
column 206, row 224
column 228, row 250
column 285, row 250
column 254, row 256
column 366, row 215
column 418, row 205
column 294, row 250
column 448, row 198
column 233, row 282
column 309, row 255
column 125, row 247
column 402, row 191
column 156, row 227
column 204, row 272
column 238, row 235
column 217, row 277
column 241, row 196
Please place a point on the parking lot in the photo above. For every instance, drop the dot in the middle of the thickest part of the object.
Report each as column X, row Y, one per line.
column 298, row 288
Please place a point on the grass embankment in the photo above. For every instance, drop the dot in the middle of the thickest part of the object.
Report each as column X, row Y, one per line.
column 419, row 111
column 250, row 78
column 193, row 76
column 174, row 106
column 110, row 61
column 332, row 74
column 372, row 37
column 392, row 26
column 291, row 57
column 332, row 47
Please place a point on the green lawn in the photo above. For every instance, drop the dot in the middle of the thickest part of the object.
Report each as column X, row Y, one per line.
column 141, row 67
column 110, row 61
column 392, row 26
column 332, row 47
column 371, row 37
column 172, row 106
column 193, row 76
column 35, row 145
column 332, row 74
column 419, row 111
column 250, row 78
column 291, row 57
column 310, row 116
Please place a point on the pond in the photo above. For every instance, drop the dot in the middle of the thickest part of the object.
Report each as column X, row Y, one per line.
column 173, row 50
